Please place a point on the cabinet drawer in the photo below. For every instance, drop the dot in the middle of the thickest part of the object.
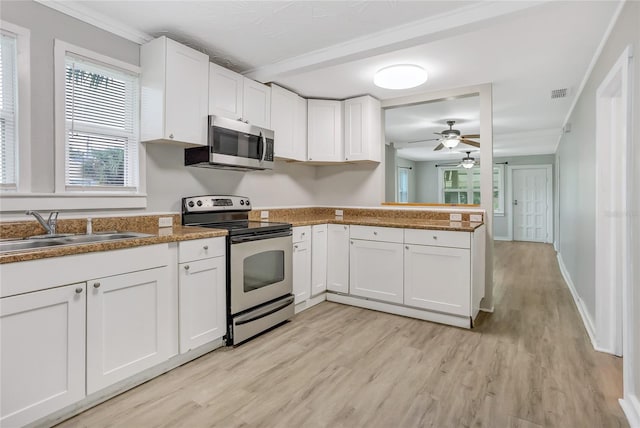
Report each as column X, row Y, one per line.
column 201, row 249
column 301, row 233
column 372, row 233
column 438, row 238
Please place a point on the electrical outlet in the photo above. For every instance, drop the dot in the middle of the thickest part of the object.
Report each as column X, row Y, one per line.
column 455, row 217
column 476, row 218
column 165, row 221
column 338, row 213
column 264, row 215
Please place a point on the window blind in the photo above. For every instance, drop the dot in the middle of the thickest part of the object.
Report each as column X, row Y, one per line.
column 8, row 112
column 101, row 125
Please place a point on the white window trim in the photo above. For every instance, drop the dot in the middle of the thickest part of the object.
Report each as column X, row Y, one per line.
column 501, row 186
column 60, row 50
column 23, row 61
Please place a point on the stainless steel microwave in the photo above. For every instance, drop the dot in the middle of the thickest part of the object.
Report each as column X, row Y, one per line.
column 233, row 144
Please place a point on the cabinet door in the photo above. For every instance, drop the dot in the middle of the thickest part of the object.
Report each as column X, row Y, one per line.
column 325, row 140
column 202, row 288
column 186, row 94
column 42, row 353
column 257, row 103
column 338, row 258
column 376, row 270
column 300, row 130
column 283, row 119
column 301, row 271
column 362, row 129
column 225, row 92
column 318, row 259
column 438, row 278
column 128, row 329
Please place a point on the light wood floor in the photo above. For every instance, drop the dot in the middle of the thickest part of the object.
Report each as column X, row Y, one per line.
column 528, row 364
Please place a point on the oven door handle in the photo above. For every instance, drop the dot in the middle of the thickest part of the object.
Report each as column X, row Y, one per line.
column 241, row 239
column 267, row 310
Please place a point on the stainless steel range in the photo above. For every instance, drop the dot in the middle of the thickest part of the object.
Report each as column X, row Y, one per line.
column 259, row 272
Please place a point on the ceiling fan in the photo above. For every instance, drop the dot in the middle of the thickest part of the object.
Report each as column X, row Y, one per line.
column 467, row 162
column 450, row 138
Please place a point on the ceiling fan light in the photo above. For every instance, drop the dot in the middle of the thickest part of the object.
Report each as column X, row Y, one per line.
column 468, row 164
column 451, row 142
column 401, row 76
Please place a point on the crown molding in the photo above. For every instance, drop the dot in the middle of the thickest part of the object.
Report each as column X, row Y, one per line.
column 403, row 36
column 78, row 11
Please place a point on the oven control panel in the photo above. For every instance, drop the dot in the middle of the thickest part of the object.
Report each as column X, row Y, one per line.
column 214, row 203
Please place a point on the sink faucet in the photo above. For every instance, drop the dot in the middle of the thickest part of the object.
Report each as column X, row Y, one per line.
column 49, row 224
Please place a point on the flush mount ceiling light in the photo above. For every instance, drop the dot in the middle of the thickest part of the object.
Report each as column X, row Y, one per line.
column 401, row 76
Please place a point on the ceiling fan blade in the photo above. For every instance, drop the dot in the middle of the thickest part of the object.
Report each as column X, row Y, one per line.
column 422, row 141
column 439, row 147
column 470, row 136
column 469, row 142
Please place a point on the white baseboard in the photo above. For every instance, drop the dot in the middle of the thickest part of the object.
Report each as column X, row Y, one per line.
column 312, row 301
column 584, row 313
column 489, row 310
column 631, row 407
column 502, row 238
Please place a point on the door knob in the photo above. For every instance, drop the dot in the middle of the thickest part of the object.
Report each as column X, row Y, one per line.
column 515, row 202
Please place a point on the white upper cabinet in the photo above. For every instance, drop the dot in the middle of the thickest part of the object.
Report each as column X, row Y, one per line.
column 174, row 87
column 236, row 97
column 325, row 139
column 256, row 103
column 289, row 123
column 225, row 92
column 362, row 129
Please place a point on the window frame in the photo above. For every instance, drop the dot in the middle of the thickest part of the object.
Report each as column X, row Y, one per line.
column 405, row 170
column 23, row 110
column 61, row 49
column 470, row 190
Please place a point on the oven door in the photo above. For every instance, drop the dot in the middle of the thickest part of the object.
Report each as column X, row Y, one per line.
column 260, row 270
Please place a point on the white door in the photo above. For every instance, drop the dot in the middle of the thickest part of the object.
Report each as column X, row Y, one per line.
column 438, row 278
column 318, row 259
column 128, row 327
column 376, row 270
column 202, row 286
column 530, row 210
column 225, row 92
column 187, row 96
column 324, row 126
column 301, row 270
column 256, row 103
column 42, row 353
column 338, row 258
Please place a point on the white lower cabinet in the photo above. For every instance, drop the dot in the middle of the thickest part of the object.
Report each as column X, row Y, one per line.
column 376, row 270
column 318, row 259
column 338, row 258
column 128, row 329
column 42, row 353
column 438, row 278
column 202, row 291
column 301, row 263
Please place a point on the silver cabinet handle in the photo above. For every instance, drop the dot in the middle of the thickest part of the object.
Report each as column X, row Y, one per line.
column 171, row 136
column 96, row 285
column 186, row 267
column 206, row 247
column 78, row 290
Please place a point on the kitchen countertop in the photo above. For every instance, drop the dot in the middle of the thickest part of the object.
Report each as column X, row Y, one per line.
column 160, row 236
column 406, row 223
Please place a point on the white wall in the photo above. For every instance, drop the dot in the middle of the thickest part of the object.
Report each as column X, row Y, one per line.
column 350, row 185
column 427, row 182
column 412, row 182
column 577, row 167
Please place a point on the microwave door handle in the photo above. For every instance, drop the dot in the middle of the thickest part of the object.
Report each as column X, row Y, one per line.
column 263, row 141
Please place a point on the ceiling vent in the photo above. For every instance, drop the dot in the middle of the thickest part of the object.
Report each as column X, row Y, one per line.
column 559, row 93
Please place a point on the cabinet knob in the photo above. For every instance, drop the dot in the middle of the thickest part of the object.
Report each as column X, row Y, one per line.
column 375, row 233
column 96, row 285
column 302, row 234
column 406, row 247
column 78, row 290
column 435, row 237
column 171, row 136
column 310, row 159
column 346, row 158
column 206, row 247
column 295, row 247
column 351, row 242
column 186, row 267
column 345, row 227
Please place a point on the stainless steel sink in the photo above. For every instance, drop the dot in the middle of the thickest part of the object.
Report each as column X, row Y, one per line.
column 39, row 242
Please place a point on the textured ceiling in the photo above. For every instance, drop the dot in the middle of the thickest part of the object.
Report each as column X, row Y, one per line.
column 331, row 49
